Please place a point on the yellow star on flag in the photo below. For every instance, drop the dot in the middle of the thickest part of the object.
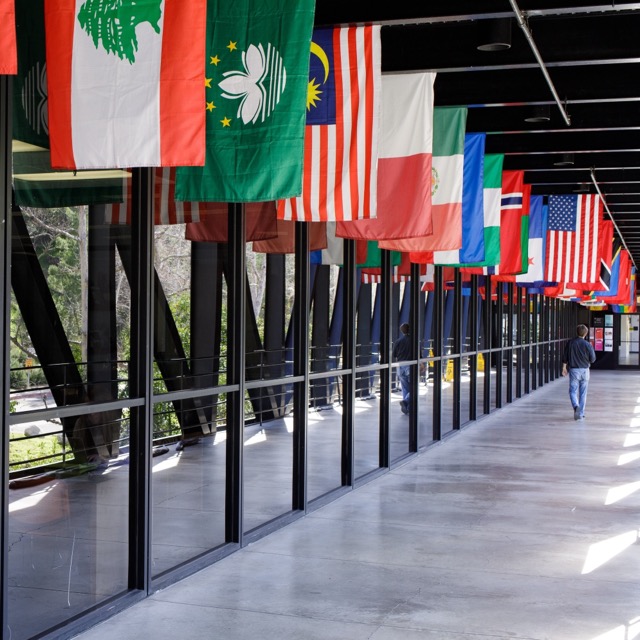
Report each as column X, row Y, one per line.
column 226, row 122
column 210, row 106
column 214, row 60
column 232, row 45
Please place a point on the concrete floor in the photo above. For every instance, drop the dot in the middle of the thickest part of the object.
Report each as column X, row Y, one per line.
column 524, row 525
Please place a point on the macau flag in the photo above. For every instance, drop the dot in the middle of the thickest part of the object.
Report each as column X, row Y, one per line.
column 256, row 79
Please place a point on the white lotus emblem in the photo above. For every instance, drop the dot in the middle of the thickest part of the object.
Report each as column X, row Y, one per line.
column 259, row 86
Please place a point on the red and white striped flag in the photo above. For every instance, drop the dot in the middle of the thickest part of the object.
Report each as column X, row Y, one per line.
column 167, row 210
column 573, row 240
column 8, row 44
column 341, row 135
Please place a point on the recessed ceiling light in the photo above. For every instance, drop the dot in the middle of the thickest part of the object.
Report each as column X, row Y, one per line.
column 498, row 36
column 566, row 160
column 540, row 113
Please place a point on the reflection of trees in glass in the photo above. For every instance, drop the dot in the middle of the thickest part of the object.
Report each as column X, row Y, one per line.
column 60, row 238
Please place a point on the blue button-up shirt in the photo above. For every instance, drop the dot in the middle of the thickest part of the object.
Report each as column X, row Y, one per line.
column 578, row 354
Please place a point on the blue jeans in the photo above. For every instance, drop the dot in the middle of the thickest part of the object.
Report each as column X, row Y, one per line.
column 578, row 385
column 404, row 376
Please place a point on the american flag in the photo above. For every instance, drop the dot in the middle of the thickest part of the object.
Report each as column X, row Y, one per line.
column 573, row 240
column 341, row 136
column 167, row 210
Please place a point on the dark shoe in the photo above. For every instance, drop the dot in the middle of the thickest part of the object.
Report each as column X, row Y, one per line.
column 576, row 413
column 403, row 407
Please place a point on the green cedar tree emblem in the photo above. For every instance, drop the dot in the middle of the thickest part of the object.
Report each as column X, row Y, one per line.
column 114, row 22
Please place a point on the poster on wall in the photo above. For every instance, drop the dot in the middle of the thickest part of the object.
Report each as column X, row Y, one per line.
column 599, row 339
column 608, row 338
column 596, row 333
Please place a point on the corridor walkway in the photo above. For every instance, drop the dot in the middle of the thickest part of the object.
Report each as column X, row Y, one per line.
column 522, row 526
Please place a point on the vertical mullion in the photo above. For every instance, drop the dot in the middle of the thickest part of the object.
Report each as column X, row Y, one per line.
column 457, row 346
column 5, row 196
column 236, row 326
column 438, row 311
column 473, row 359
column 301, row 365
column 141, row 378
column 488, row 332
column 510, row 344
column 519, row 354
column 386, row 346
column 535, row 340
column 499, row 352
column 348, row 361
column 414, row 323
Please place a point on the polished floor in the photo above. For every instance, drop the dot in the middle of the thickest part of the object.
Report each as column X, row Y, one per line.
column 525, row 525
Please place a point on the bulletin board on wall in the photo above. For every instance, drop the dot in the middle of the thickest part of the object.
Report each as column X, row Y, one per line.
column 602, row 337
column 601, row 332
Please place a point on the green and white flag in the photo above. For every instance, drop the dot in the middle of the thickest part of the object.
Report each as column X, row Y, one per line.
column 492, row 197
column 256, row 79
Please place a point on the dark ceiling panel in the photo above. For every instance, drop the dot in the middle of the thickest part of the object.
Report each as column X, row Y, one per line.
column 591, row 56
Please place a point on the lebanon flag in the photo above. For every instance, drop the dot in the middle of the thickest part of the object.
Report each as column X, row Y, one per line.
column 126, row 92
column 8, row 45
column 404, row 163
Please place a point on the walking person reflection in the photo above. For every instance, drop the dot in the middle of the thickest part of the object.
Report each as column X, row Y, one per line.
column 402, row 351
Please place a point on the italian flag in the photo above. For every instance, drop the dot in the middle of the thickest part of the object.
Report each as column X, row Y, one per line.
column 126, row 85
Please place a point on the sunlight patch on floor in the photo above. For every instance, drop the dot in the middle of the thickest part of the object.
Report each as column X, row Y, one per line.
column 261, row 436
column 169, row 463
column 632, row 440
column 601, row 552
column 629, row 631
column 618, row 493
column 626, row 458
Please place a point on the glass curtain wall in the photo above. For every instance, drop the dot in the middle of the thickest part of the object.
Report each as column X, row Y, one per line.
column 401, row 414
column 189, row 436
column 326, row 403
column 171, row 399
column 69, row 426
column 370, row 387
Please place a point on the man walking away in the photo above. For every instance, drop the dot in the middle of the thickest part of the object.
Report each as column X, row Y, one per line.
column 402, row 351
column 577, row 358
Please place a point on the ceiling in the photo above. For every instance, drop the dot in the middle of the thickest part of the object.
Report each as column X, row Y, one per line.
column 578, row 60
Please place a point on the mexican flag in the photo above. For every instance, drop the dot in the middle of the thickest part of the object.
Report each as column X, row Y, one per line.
column 472, row 249
column 256, row 84
column 125, row 83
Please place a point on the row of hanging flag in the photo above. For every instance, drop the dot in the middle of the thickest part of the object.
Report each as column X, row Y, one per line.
column 298, row 124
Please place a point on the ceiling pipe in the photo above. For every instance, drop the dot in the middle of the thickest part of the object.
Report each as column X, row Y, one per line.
column 606, row 206
column 525, row 29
